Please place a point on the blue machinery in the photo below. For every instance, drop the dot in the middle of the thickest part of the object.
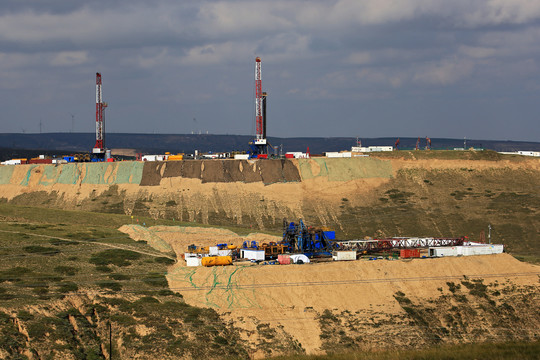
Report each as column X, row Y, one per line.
column 313, row 242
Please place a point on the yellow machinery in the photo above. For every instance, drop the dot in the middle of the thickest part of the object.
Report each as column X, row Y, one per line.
column 177, row 157
column 216, row 261
column 272, row 250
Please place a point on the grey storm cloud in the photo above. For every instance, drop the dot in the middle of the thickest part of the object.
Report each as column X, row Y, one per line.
column 331, row 68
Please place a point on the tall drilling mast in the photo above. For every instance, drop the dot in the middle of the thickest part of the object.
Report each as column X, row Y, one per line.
column 99, row 148
column 260, row 138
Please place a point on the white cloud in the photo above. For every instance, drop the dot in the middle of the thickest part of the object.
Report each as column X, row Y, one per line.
column 68, row 58
column 444, row 72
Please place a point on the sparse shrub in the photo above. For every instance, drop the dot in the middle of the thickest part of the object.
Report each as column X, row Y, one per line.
column 14, row 274
column 104, row 269
column 170, row 203
column 59, row 242
column 118, row 257
column 24, row 315
column 66, row 270
column 43, row 250
column 67, row 287
column 164, row 260
column 453, row 287
column 38, row 329
column 111, row 285
column 156, row 279
column 119, row 276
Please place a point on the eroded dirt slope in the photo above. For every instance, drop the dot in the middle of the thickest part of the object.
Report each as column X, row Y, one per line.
column 358, row 197
column 328, row 306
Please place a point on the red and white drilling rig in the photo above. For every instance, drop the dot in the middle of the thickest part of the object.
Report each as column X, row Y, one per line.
column 260, row 145
column 99, row 147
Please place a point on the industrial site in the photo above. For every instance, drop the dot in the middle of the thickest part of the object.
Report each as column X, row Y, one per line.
column 265, row 252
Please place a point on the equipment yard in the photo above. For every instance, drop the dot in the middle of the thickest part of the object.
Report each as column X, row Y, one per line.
column 360, row 298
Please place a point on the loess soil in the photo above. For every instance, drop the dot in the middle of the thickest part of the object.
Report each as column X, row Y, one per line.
column 331, row 306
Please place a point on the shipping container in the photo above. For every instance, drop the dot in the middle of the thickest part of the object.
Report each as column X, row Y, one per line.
column 344, row 255
column 251, row 254
column 409, row 253
column 192, row 259
column 467, row 250
column 284, row 259
column 213, row 250
column 241, row 156
column 262, row 156
column 225, row 252
column 40, row 161
column 289, row 156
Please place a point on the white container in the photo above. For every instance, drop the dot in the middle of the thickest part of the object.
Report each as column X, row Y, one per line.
column 299, row 259
column 443, row 251
column 213, row 251
column 257, row 255
column 11, row 162
column 224, row 252
column 192, row 259
column 333, row 154
column 344, row 255
column 241, row 156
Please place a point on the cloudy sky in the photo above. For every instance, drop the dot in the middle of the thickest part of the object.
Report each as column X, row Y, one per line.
column 435, row 68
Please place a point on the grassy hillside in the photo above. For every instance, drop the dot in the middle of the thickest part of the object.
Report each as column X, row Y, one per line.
column 488, row 351
column 64, row 276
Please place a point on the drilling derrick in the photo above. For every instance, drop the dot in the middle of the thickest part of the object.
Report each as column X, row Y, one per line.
column 99, row 147
column 259, row 140
column 260, row 144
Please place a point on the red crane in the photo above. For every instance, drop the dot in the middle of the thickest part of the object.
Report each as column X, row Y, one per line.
column 99, row 147
column 396, row 144
column 417, row 144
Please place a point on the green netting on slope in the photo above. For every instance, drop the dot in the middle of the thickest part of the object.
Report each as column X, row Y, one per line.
column 221, row 288
column 50, row 175
column 26, row 179
column 69, row 174
column 345, row 169
column 129, row 172
column 94, row 173
column 6, row 171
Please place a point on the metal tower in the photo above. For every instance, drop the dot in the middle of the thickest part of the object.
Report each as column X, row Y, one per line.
column 99, row 147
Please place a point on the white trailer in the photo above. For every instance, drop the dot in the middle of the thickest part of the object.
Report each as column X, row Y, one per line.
column 344, row 255
column 252, row 254
column 466, row 250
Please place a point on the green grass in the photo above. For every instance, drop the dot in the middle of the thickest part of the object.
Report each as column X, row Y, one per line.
column 444, row 155
column 488, row 351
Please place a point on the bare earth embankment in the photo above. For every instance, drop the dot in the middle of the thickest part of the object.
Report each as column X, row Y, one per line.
column 355, row 304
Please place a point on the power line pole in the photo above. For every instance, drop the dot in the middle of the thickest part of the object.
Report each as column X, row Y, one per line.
column 110, row 340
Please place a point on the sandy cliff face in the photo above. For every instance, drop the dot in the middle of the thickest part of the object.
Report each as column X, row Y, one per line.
column 358, row 197
column 354, row 304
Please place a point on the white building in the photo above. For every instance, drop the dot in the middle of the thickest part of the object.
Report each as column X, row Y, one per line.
column 371, row 148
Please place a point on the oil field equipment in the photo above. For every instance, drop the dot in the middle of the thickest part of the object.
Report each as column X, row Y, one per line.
column 313, row 242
